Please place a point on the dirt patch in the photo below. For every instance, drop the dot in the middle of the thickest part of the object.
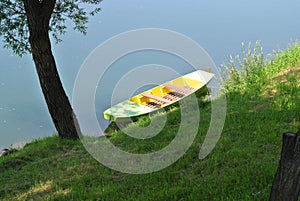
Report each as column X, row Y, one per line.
column 283, row 77
column 290, row 76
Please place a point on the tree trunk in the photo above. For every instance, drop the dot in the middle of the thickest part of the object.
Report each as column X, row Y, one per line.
column 38, row 17
column 286, row 185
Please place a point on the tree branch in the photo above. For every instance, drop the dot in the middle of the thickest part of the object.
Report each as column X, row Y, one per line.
column 47, row 7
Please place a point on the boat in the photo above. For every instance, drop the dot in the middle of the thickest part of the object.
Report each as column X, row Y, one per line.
column 160, row 96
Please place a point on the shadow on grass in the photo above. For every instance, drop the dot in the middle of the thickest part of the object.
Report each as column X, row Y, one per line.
column 241, row 167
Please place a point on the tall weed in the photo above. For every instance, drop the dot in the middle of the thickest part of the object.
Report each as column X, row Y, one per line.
column 251, row 70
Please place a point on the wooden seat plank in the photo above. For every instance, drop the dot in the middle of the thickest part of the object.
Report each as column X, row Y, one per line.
column 179, row 88
column 160, row 99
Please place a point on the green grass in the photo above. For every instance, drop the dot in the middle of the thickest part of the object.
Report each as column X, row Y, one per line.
column 262, row 103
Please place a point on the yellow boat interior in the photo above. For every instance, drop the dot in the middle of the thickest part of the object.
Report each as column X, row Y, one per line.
column 167, row 93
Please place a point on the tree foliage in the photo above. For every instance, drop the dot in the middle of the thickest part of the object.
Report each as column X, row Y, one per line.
column 25, row 26
column 13, row 21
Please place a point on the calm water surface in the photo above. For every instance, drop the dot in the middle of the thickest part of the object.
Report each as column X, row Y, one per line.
column 218, row 26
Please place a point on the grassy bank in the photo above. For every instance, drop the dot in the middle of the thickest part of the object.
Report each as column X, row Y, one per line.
column 262, row 102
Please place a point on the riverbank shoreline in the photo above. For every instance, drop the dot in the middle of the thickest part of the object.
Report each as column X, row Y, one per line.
column 4, row 151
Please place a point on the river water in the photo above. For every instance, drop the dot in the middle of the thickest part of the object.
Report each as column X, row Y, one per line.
column 218, row 26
